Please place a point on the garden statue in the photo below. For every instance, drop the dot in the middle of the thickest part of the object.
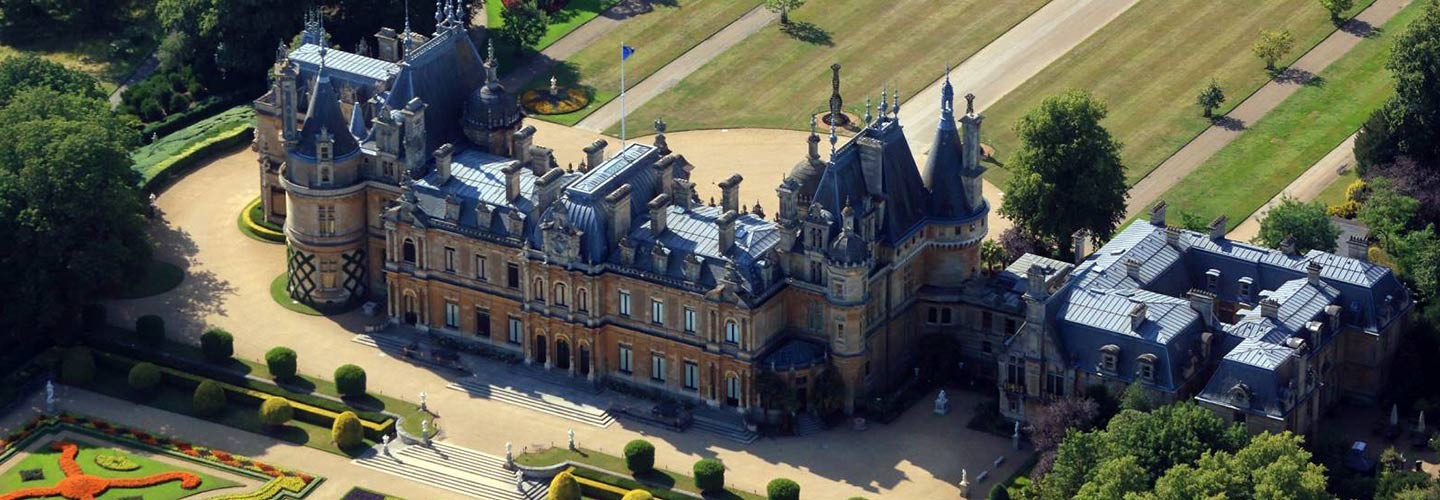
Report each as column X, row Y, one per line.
column 422, row 401
column 1015, row 438
column 385, row 443
column 554, row 86
column 509, row 456
column 425, row 431
column 50, row 396
column 572, row 439
column 942, row 404
column 964, row 483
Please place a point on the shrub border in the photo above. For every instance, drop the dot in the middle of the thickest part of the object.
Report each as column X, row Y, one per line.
column 255, row 230
column 168, row 169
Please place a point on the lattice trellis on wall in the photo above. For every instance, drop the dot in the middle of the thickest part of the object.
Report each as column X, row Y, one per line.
column 300, row 283
column 355, row 274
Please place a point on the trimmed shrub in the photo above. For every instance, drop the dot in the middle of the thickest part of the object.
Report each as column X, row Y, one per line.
column 346, row 431
column 281, row 362
column 77, row 367
column 564, row 487
column 92, row 317
column 640, row 456
column 144, row 377
column 782, row 489
column 178, row 103
column 151, row 330
column 150, row 109
column 276, row 411
column 350, row 381
column 709, row 475
column 218, row 345
column 209, row 399
column 999, row 492
column 638, row 495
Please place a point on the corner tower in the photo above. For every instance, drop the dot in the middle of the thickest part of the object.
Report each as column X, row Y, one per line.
column 957, row 212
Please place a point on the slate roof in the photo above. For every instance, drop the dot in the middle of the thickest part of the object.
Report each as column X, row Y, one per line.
column 476, row 178
column 344, row 66
column 325, row 115
column 442, row 72
column 897, row 182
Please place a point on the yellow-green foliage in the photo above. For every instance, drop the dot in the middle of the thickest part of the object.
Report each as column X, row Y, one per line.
column 276, row 411
column 116, row 462
column 1357, row 190
column 272, row 489
column 346, row 431
column 259, row 230
column 1345, row 210
column 638, row 495
column 564, row 487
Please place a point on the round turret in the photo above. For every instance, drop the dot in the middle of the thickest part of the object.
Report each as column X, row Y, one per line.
column 490, row 108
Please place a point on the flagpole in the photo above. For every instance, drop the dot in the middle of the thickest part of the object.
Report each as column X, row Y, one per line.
column 622, row 94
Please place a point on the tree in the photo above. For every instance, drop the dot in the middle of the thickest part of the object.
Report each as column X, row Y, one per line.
column 1056, row 419
column 1136, row 397
column 151, row 330
column 640, row 456
column 1114, row 479
column 1377, row 142
column 276, row 411
column 1062, row 142
column 1212, row 96
column 77, row 366
column 1015, row 243
column 782, row 489
column 1307, row 222
column 1270, row 466
column 1415, row 107
column 350, row 381
column 231, row 43
column 522, row 24
column 217, row 345
column 829, row 392
column 783, row 7
column 27, row 71
column 999, row 492
column 144, row 377
column 346, row 431
column 1336, row 8
column 1418, row 255
column 61, row 250
column 1272, row 46
column 55, row 18
column 281, row 362
column 709, row 475
column 1387, row 212
column 564, row 487
column 992, row 255
column 208, row 400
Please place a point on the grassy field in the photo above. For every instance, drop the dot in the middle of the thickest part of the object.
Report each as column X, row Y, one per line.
column 1151, row 62
column 1302, row 130
column 48, row 460
column 776, row 79
column 659, row 37
column 148, row 156
column 1334, row 194
column 109, row 54
column 575, row 13
column 659, row 476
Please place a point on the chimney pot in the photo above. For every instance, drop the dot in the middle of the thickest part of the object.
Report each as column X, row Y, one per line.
column 730, row 193
column 512, row 182
column 595, row 153
column 1270, row 308
column 727, row 231
column 1157, row 213
column 1357, row 248
column 1217, row 228
column 1312, row 272
column 444, row 156
column 658, row 210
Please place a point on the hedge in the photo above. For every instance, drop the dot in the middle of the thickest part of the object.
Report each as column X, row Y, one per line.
column 260, row 231
column 217, row 345
column 208, row 399
column 144, row 377
column 202, row 109
column 709, row 475
column 162, row 172
column 77, row 367
column 346, row 431
column 564, row 487
column 281, row 361
column 276, row 411
column 150, row 329
column 605, row 486
column 782, row 489
column 638, row 495
column 591, row 488
column 640, row 456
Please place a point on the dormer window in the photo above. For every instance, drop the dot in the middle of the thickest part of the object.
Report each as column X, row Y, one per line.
column 1212, row 280
column 1145, row 367
column 1109, row 356
column 1240, row 396
column 1246, row 286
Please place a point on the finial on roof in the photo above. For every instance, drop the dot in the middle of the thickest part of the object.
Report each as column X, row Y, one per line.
column 836, row 103
column 660, row 125
column 868, row 117
column 970, row 104
column 490, row 52
column 833, row 140
column 812, row 126
column 437, row 12
column 895, row 105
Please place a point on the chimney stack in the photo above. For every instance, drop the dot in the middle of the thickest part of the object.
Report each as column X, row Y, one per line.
column 1217, row 228
column 659, row 207
column 520, row 143
column 617, row 208
column 1287, row 245
column 1132, row 269
column 1036, row 277
column 1157, row 214
column 727, row 231
column 684, row 195
column 1080, row 244
column 1357, row 248
column 1312, row 272
column 1137, row 316
column 389, row 45
column 970, row 135
column 443, row 159
column 547, row 188
column 1204, row 304
column 595, row 153
column 512, row 182
column 730, row 194
column 1270, row 308
column 1172, row 236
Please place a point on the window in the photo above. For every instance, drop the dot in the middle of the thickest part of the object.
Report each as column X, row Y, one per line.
column 657, row 312
column 840, row 333
column 624, row 303
column 408, row 250
column 512, row 275
column 1146, row 367
column 987, row 320
column 933, row 315
column 1245, row 284
column 657, row 367
column 450, row 259
column 814, row 315
column 582, row 299
column 692, row 375
column 1212, row 279
column 1011, row 326
column 537, row 288
column 1015, row 373
column 839, row 288
column 945, row 315
column 482, row 323
column 452, row 315
column 732, row 390
column 732, row 332
column 326, row 218
column 689, row 320
column 1108, row 357
column 560, row 294
column 815, row 272
column 1055, row 384
column 480, row 268
column 626, row 359
column 986, row 346
column 389, row 168
column 516, row 330
column 325, row 170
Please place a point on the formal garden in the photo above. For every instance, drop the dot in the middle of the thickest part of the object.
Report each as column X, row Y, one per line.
column 592, row 474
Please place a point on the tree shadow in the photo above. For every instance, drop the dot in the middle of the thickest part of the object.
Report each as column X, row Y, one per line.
column 1361, row 29
column 630, row 8
column 1228, row 123
column 1292, row 75
column 807, row 32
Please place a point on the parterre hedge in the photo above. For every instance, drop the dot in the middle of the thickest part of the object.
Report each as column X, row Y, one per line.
column 163, row 172
column 640, row 456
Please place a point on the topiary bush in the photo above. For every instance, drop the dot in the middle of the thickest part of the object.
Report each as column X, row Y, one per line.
column 92, row 317
column 638, row 495
column 350, row 381
column 639, row 456
column 77, row 367
column 999, row 492
column 150, row 329
column 782, row 489
column 281, row 362
column 276, row 411
column 709, row 475
column 217, row 345
column 564, row 487
column 144, row 377
column 346, row 431
column 208, row 400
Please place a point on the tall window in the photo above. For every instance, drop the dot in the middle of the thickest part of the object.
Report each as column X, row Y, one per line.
column 450, row 259
column 932, row 315
column 1055, row 384
column 480, row 268
column 582, row 299
column 1010, row 326
column 624, row 303
column 657, row 312
column 452, row 315
column 408, row 250
column 517, row 330
column 1015, row 372
column 326, row 219
column 560, row 294
column 840, row 333
column 987, row 320
column 692, row 375
column 512, row 275
column 627, row 360
column 732, row 332
column 689, row 320
column 657, row 367
column 482, row 323
column 945, row 315
column 537, row 288
column 815, row 272
column 732, row 390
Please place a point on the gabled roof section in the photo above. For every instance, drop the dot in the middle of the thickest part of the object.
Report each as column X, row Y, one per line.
column 442, row 72
column 344, row 66
column 897, row 182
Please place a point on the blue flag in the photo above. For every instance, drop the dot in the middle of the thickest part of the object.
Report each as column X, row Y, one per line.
column 626, row 51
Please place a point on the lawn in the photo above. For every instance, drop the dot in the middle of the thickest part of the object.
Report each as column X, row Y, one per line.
column 109, row 54
column 1302, row 130
column 1334, row 194
column 282, row 297
column 47, row 460
column 1150, row 63
column 660, row 478
column 147, row 157
column 776, row 79
column 659, row 37
column 575, row 13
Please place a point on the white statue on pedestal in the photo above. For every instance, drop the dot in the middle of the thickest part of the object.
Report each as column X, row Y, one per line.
column 50, row 396
column 942, row 403
column 572, row 439
column 422, row 401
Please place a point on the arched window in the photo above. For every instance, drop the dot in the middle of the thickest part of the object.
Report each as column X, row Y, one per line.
column 1146, row 367
column 538, row 288
column 1108, row 355
column 732, row 332
column 582, row 299
column 409, row 251
column 732, row 390
column 560, row 295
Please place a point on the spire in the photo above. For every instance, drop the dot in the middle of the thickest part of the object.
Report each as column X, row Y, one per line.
column 836, row 103
column 438, row 11
column 868, row 117
column 812, row 126
column 406, row 57
column 947, row 94
column 833, row 140
column 884, row 101
column 492, row 78
column 895, row 105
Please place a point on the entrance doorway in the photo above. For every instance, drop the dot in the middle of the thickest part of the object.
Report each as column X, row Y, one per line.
column 584, row 360
column 410, row 317
column 537, row 349
column 562, row 354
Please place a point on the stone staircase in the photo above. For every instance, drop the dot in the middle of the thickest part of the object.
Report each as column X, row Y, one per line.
column 461, row 470
column 732, row 429
column 381, row 341
column 542, row 402
column 806, row 424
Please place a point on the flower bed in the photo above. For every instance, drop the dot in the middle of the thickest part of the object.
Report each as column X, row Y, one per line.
column 542, row 102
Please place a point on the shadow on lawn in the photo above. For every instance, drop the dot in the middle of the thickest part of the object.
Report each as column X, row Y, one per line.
column 808, row 32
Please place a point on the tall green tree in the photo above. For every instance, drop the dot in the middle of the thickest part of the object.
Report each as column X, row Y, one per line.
column 1388, row 212
column 69, row 208
column 1211, row 97
column 1336, row 8
column 523, row 24
column 1307, row 222
column 1417, row 253
column 29, row 70
column 230, row 43
column 1114, row 479
column 1068, row 173
column 1272, row 46
column 1415, row 108
column 54, row 18
column 1271, row 466
column 783, row 7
